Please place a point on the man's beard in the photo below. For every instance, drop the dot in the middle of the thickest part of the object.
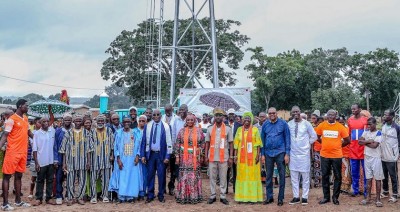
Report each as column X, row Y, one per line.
column 100, row 126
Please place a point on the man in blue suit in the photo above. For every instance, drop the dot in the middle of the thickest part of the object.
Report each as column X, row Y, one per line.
column 155, row 151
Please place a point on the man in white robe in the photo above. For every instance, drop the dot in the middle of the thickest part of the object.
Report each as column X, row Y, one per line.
column 302, row 137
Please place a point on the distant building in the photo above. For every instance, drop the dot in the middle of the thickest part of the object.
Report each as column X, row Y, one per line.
column 80, row 109
column 4, row 107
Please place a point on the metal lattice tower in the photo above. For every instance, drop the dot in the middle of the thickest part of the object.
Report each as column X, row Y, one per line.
column 154, row 49
column 203, row 49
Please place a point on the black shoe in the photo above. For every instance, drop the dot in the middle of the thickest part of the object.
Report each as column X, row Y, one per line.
column 294, row 201
column 268, row 201
column 148, row 200
column 324, row 201
column 224, row 201
column 162, row 200
column 171, row 192
column 335, row 201
column 280, row 202
column 354, row 195
column 140, row 198
column 211, row 201
column 304, row 201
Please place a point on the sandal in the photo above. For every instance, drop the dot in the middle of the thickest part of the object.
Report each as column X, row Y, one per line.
column 378, row 204
column 365, row 202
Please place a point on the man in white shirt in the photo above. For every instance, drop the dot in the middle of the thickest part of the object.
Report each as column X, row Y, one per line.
column 43, row 143
column 302, row 136
column 177, row 125
column 169, row 116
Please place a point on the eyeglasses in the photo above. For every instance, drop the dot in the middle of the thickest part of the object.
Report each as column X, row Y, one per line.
column 156, row 114
column 219, row 114
column 142, row 121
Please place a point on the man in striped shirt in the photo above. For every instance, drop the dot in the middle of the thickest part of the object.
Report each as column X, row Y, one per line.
column 103, row 139
column 76, row 148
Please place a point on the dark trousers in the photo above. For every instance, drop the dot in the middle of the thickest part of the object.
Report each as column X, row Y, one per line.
column 46, row 173
column 280, row 163
column 59, row 182
column 390, row 168
column 154, row 164
column 327, row 165
column 232, row 169
column 174, row 170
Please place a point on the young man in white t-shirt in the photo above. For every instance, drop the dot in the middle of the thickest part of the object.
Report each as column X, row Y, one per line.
column 371, row 139
column 43, row 143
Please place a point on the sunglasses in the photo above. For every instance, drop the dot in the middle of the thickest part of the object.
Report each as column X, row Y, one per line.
column 156, row 114
column 125, row 122
column 142, row 121
column 219, row 114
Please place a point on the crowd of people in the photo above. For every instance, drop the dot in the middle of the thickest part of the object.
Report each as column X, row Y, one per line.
column 102, row 158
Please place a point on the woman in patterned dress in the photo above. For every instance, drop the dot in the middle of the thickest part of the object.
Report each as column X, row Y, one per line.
column 188, row 147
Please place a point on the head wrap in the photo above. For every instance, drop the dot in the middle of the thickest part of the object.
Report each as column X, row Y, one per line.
column 219, row 110
column 248, row 114
column 66, row 115
column 133, row 107
column 77, row 116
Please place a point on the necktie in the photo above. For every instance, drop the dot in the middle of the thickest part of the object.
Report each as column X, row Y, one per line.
column 155, row 134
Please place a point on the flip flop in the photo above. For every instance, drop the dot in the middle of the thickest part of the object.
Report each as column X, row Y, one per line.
column 378, row 204
column 365, row 202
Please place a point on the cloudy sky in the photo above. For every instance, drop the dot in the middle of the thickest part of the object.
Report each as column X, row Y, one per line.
column 63, row 42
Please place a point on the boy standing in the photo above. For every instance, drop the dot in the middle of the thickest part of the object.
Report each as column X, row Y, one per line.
column 372, row 160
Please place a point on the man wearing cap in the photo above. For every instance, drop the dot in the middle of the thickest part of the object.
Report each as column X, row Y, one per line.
column 155, row 151
column 218, row 138
column 275, row 135
column 114, row 123
column 58, row 158
column 76, row 148
column 177, row 125
column 103, row 139
column 133, row 114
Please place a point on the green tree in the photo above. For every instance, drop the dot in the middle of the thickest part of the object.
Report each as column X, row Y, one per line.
column 94, row 102
column 55, row 96
column 280, row 81
column 328, row 66
column 32, row 97
column 377, row 72
column 129, row 57
column 340, row 98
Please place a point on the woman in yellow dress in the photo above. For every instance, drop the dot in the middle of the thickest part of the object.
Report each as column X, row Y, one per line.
column 247, row 146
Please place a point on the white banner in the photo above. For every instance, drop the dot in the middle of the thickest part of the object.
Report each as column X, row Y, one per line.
column 204, row 100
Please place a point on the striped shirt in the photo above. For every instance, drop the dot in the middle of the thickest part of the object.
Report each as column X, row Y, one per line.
column 103, row 143
column 76, row 145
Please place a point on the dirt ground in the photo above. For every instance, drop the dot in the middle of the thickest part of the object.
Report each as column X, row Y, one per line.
column 347, row 203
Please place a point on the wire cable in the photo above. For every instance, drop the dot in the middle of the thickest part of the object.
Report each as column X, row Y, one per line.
column 52, row 85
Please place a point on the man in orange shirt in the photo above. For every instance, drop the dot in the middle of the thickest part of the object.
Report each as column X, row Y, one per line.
column 330, row 134
column 16, row 133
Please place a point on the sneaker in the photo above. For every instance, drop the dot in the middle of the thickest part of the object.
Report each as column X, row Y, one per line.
column 7, row 207
column 294, row 201
column 59, row 201
column 304, row 201
column 22, row 204
column 392, row 199
column 93, row 201
column 105, row 200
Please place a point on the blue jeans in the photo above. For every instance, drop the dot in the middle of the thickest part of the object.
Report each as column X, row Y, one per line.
column 355, row 175
column 280, row 163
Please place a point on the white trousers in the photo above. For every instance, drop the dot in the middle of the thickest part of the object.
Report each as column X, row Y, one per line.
column 295, row 178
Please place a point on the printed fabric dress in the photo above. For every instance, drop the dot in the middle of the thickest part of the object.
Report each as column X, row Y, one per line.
column 248, row 178
column 189, row 178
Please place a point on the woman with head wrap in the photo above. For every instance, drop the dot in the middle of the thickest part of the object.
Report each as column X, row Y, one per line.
column 188, row 148
column 247, row 146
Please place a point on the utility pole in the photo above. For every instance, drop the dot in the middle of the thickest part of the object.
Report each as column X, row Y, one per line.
column 367, row 93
